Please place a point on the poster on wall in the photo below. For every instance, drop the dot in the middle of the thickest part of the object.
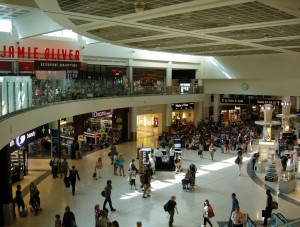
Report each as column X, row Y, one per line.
column 267, row 134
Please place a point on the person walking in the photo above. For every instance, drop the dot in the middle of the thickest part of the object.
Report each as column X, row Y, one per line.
column 113, row 151
column 237, row 217
column 104, row 219
column 239, row 162
column 172, row 206
column 132, row 177
column 97, row 215
column 227, row 145
column 268, row 210
column 72, row 177
column 98, row 167
column 34, row 196
column 65, row 167
column 107, row 190
column 121, row 165
column 207, row 213
column 116, row 163
column 19, row 199
column 212, row 150
column 234, row 203
column 146, row 182
column 54, row 168
column 57, row 221
column 69, row 218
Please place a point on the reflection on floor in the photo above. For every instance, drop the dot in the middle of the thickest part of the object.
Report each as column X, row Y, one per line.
column 215, row 181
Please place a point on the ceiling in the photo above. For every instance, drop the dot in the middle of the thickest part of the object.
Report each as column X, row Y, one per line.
column 197, row 27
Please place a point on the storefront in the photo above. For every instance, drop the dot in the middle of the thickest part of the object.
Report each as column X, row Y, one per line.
column 20, row 148
column 182, row 113
column 150, row 121
column 103, row 126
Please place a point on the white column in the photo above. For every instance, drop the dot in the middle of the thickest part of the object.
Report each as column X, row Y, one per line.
column 168, row 117
column 298, row 103
column 286, row 98
column 169, row 77
column 133, row 116
column 130, row 75
column 216, row 107
column 198, row 113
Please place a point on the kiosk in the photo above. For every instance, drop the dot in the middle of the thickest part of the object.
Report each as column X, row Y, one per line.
column 144, row 158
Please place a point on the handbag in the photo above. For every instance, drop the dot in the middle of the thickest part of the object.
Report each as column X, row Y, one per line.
column 274, row 205
column 94, row 174
column 264, row 213
column 237, row 160
column 24, row 213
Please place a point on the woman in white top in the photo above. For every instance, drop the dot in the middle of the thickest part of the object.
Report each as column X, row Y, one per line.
column 212, row 150
column 207, row 213
column 237, row 217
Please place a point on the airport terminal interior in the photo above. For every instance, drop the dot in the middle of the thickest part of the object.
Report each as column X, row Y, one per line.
column 77, row 77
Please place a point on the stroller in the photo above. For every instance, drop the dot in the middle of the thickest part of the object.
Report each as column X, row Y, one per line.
column 35, row 206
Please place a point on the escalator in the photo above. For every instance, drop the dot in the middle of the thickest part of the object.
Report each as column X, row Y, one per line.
column 278, row 220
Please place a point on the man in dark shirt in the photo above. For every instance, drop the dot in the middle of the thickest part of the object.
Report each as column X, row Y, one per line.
column 108, row 189
column 69, row 218
column 19, row 199
column 268, row 210
column 171, row 209
column 72, row 178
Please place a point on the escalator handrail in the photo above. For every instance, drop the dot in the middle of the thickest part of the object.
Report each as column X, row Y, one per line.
column 290, row 223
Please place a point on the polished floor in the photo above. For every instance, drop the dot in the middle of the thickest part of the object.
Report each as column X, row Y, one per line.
column 215, row 182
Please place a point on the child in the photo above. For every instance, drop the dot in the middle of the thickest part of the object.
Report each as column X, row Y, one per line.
column 57, row 221
column 132, row 177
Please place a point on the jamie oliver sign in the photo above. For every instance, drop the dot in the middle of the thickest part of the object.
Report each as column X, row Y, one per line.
column 21, row 52
column 182, row 106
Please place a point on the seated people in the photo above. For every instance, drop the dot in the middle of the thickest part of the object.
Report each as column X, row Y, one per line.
column 187, row 180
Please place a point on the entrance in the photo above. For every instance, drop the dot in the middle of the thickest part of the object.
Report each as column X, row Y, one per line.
column 148, row 125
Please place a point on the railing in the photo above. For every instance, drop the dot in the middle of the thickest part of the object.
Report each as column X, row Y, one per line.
column 278, row 220
column 19, row 95
column 248, row 221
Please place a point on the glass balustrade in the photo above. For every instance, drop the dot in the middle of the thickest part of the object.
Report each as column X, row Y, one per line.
column 19, row 94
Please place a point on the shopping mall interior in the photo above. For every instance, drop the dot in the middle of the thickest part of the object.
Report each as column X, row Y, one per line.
column 77, row 77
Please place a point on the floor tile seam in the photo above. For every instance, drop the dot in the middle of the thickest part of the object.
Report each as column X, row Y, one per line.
column 36, row 181
column 263, row 185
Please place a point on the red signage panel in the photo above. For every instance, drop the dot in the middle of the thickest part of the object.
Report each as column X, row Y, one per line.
column 5, row 65
column 26, row 66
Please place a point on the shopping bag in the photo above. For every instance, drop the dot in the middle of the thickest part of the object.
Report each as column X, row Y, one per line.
column 94, row 174
column 24, row 213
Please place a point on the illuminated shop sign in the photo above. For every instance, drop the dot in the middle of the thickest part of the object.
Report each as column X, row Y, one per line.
column 251, row 101
column 234, row 101
column 182, row 106
column 102, row 113
column 21, row 52
column 28, row 137
column 56, row 65
column 265, row 101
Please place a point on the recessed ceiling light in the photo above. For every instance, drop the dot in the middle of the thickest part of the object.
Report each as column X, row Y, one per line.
column 87, row 7
column 180, row 24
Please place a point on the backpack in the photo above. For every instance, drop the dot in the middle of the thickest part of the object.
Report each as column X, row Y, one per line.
column 51, row 163
column 237, row 160
column 166, row 206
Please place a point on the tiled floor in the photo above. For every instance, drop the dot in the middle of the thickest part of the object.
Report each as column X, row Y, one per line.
column 215, row 181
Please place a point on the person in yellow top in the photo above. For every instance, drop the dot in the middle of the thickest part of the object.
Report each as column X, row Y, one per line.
column 237, row 217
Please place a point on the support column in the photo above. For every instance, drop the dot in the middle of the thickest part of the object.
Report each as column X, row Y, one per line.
column 133, row 116
column 168, row 117
column 55, row 139
column 7, row 215
column 216, row 107
column 198, row 111
column 298, row 104
column 130, row 75
column 169, row 78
